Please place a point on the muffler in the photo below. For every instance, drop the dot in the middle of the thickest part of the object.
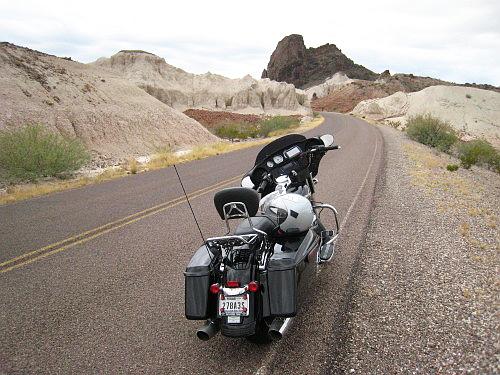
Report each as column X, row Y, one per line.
column 209, row 329
column 278, row 328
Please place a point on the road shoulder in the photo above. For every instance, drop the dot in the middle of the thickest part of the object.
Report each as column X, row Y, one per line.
column 427, row 287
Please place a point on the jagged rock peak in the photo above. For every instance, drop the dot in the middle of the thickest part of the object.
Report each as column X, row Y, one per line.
column 292, row 62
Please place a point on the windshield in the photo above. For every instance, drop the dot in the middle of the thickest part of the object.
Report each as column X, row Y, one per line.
column 278, row 145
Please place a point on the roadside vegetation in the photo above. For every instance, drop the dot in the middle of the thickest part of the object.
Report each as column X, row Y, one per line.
column 431, row 132
column 167, row 157
column 163, row 158
column 264, row 128
column 32, row 152
column 435, row 133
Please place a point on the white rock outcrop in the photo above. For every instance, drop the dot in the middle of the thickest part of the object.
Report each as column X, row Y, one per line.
column 182, row 90
column 337, row 80
column 473, row 112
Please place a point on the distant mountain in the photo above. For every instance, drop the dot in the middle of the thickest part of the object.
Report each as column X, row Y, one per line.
column 292, row 62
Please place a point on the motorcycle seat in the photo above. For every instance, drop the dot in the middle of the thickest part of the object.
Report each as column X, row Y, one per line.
column 262, row 223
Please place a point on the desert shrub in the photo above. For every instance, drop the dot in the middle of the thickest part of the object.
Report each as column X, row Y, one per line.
column 431, row 131
column 479, row 152
column 132, row 166
column 277, row 123
column 31, row 152
column 240, row 130
column 468, row 96
column 452, row 167
column 263, row 128
column 394, row 124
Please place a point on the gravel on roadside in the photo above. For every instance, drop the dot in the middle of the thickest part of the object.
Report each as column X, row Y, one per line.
column 427, row 292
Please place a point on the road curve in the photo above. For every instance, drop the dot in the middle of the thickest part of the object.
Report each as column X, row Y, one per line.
column 110, row 299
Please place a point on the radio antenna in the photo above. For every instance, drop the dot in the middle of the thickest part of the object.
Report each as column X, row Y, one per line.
column 189, row 203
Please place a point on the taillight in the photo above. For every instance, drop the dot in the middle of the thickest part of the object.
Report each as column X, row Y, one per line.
column 214, row 288
column 253, row 286
column 233, row 284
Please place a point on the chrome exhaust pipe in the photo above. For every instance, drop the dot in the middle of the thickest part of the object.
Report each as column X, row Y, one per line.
column 278, row 328
column 209, row 329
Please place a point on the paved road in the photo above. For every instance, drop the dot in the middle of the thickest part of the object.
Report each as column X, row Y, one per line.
column 101, row 289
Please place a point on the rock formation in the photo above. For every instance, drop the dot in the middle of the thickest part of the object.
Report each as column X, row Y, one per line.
column 342, row 94
column 473, row 112
column 292, row 62
column 182, row 90
column 112, row 116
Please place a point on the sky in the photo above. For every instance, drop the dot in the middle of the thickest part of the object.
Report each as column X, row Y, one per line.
column 457, row 40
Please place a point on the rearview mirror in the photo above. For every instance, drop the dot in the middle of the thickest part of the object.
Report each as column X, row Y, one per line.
column 246, row 182
column 327, row 139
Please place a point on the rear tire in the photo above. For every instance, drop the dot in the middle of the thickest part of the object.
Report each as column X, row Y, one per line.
column 261, row 335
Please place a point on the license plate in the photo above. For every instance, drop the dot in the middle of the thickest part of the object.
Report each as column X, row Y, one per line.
column 233, row 305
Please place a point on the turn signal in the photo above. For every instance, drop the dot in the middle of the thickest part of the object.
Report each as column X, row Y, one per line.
column 214, row 288
column 253, row 286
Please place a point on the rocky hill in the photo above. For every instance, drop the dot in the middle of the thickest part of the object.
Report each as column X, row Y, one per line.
column 473, row 112
column 304, row 67
column 112, row 116
column 182, row 90
column 342, row 94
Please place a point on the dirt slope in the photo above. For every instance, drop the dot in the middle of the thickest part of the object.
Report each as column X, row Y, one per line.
column 110, row 115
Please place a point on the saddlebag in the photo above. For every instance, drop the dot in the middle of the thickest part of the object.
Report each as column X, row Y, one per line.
column 282, row 287
column 286, row 269
column 197, row 285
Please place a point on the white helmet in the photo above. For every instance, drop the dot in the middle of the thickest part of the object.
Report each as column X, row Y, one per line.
column 292, row 212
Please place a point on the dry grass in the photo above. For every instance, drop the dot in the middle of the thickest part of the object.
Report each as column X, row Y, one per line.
column 163, row 159
column 132, row 166
column 464, row 196
column 21, row 192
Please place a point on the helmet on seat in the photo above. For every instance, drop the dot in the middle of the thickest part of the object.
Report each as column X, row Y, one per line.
column 292, row 212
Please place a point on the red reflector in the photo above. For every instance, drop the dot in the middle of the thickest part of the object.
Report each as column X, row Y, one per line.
column 233, row 284
column 214, row 288
column 253, row 286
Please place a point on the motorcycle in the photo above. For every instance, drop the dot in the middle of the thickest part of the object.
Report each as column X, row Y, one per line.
column 249, row 282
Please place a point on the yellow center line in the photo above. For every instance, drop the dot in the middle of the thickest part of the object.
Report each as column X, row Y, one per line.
column 106, row 228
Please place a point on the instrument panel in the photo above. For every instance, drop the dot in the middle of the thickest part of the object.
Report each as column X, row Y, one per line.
column 278, row 159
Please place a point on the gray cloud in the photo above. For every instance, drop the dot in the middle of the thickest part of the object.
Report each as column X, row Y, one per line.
column 454, row 40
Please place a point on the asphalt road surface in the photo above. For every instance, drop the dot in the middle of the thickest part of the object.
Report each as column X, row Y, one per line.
column 91, row 279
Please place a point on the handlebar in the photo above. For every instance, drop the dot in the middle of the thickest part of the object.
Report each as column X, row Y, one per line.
column 325, row 148
column 265, row 178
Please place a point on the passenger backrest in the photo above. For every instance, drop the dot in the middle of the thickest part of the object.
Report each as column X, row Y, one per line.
column 250, row 198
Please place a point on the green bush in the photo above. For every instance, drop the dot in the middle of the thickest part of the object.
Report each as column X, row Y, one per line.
column 241, row 130
column 277, row 123
column 479, row 152
column 431, row 132
column 263, row 128
column 32, row 152
column 452, row 167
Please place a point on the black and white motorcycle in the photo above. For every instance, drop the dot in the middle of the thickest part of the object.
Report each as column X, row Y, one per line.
column 248, row 283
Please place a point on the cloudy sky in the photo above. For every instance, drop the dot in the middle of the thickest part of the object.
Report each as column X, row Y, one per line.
column 457, row 40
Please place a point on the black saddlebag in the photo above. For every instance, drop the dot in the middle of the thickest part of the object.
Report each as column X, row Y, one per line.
column 284, row 272
column 282, row 287
column 197, row 285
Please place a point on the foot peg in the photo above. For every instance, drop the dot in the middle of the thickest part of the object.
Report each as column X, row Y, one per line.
column 327, row 248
